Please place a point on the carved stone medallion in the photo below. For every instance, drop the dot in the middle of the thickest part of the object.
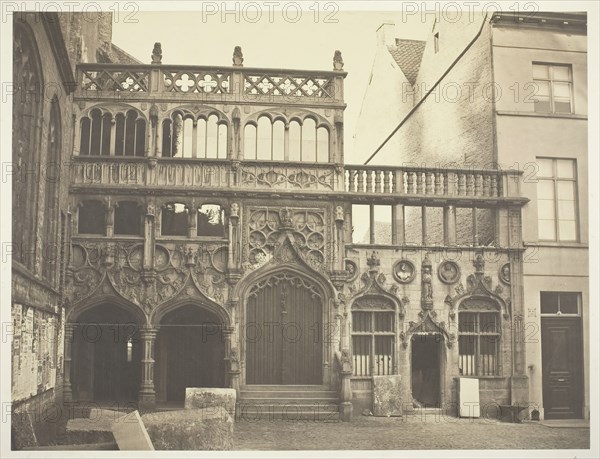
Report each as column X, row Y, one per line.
column 504, row 273
column 449, row 272
column 404, row 271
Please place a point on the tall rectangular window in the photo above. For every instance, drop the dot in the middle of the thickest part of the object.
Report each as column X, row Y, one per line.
column 372, row 342
column 556, row 200
column 554, row 88
column 478, row 343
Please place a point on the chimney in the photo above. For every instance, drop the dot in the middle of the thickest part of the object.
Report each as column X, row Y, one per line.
column 386, row 34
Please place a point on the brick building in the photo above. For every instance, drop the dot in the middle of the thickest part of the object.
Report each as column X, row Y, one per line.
column 508, row 92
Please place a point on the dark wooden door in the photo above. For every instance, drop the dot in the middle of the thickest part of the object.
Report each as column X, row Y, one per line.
column 562, row 367
column 284, row 332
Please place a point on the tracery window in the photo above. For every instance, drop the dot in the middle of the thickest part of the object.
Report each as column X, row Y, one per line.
column 267, row 140
column 187, row 137
column 103, row 135
column 27, row 114
column 51, row 181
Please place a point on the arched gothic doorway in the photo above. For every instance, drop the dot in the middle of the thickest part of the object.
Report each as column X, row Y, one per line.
column 106, row 355
column 190, row 352
column 284, row 343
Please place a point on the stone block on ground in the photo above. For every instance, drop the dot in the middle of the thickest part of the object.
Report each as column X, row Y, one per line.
column 206, row 397
column 130, row 433
column 387, row 395
column 190, row 429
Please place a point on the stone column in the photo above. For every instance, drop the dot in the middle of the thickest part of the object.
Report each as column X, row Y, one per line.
column 450, row 225
column 147, row 395
column 67, row 388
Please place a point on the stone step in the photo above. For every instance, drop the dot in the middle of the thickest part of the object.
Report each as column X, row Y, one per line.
column 291, row 400
column 284, row 387
column 288, row 412
column 322, row 394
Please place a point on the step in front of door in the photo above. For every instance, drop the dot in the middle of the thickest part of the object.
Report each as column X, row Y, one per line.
column 291, row 403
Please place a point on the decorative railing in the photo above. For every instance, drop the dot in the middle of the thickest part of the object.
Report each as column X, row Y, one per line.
column 364, row 181
column 483, row 183
column 235, row 83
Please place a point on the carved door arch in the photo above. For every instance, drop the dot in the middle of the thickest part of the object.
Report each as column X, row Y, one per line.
column 284, row 331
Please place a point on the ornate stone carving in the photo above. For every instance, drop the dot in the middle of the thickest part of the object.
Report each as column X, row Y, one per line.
column 373, row 303
column 449, row 272
column 338, row 62
column 238, row 57
column 285, row 217
column 373, row 262
column 157, row 53
column 404, row 271
column 351, row 269
column 504, row 273
column 426, row 284
column 234, row 211
column 339, row 214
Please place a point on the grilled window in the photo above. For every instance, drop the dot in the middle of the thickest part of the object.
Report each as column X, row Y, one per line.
column 478, row 343
column 372, row 342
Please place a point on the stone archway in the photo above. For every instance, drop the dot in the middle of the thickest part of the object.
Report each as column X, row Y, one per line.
column 105, row 354
column 190, row 352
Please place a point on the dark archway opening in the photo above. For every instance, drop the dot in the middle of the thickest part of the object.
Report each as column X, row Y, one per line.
column 106, row 356
column 190, row 353
column 425, row 370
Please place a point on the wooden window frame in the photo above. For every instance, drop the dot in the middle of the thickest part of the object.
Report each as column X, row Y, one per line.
column 371, row 370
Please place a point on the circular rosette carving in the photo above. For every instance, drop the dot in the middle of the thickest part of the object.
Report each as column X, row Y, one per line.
column 257, row 239
column 299, row 240
column 352, row 269
column 161, row 258
column 315, row 241
column 219, row 259
column 404, row 271
column 257, row 256
column 136, row 258
column 315, row 258
column 94, row 256
column 258, row 220
column 504, row 273
column 449, row 272
column 315, row 222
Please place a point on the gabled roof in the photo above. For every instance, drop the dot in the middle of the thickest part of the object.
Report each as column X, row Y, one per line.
column 408, row 55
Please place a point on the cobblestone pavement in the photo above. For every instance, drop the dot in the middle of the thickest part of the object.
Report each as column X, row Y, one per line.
column 416, row 432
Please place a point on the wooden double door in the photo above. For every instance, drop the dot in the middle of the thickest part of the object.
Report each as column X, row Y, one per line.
column 284, row 332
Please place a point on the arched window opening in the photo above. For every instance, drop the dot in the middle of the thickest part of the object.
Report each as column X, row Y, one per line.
column 250, row 141
column 278, row 140
column 166, row 138
column 119, row 134
column 184, row 137
column 309, row 140
column 322, row 145
column 27, row 115
column 97, row 130
column 211, row 137
column 174, row 219
column 211, row 220
column 92, row 218
column 263, row 142
column 128, row 219
column 222, row 147
column 295, row 138
column 188, row 131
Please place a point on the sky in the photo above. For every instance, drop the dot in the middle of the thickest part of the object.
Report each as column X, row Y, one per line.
column 277, row 40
